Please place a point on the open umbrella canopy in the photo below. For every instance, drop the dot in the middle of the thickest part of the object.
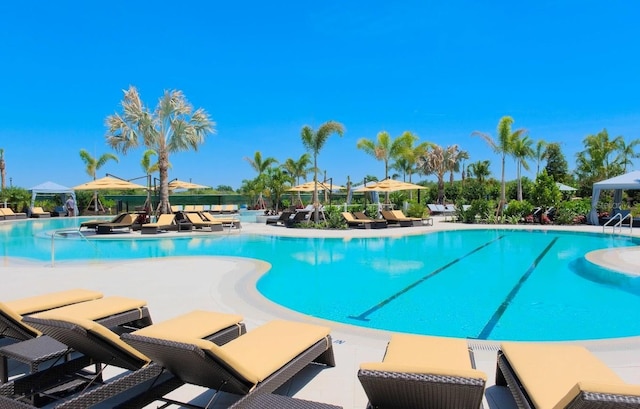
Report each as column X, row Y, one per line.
column 108, row 183
column 389, row 185
column 309, row 186
column 565, row 188
column 180, row 184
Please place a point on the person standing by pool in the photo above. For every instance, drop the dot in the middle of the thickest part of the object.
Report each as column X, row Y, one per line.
column 70, row 204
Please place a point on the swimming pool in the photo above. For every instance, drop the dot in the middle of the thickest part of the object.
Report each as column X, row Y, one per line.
column 484, row 284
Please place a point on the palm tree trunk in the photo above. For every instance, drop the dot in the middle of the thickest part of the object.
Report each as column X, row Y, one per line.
column 503, row 193
column 316, row 213
column 163, row 168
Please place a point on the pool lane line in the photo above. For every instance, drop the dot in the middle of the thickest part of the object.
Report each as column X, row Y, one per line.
column 486, row 331
column 363, row 316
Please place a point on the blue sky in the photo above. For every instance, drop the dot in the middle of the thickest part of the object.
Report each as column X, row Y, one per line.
column 263, row 70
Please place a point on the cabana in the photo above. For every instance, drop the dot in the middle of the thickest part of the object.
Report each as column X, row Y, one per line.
column 628, row 181
column 52, row 189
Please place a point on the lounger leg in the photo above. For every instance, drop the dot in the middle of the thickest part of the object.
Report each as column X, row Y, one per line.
column 326, row 357
column 500, row 379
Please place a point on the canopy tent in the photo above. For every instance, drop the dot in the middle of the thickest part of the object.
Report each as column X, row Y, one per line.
column 628, row 181
column 50, row 188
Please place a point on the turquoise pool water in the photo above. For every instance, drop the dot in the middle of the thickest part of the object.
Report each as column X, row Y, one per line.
column 484, row 284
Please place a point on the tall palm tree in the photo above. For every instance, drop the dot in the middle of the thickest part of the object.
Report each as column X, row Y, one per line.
column 540, row 154
column 501, row 146
column 455, row 158
column 261, row 165
column 92, row 165
column 298, row 169
column 173, row 126
column 3, row 170
column 313, row 141
column 521, row 151
column 480, row 170
column 597, row 162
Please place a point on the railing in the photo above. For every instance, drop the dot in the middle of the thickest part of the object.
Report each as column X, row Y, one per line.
column 620, row 222
column 64, row 233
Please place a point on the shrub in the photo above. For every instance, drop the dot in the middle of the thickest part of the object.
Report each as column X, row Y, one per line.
column 417, row 210
column 518, row 209
column 573, row 212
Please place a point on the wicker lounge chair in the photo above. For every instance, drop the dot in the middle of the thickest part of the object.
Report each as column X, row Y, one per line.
column 151, row 381
column 9, row 214
column 199, row 223
column 126, row 223
column 165, row 222
column 363, row 224
column 282, row 219
column 12, row 312
column 38, row 212
column 227, row 221
column 543, row 375
column 297, row 218
column 93, row 224
column 256, row 363
column 393, row 219
column 423, row 372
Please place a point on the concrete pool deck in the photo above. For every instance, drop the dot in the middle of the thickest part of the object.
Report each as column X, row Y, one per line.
column 173, row 286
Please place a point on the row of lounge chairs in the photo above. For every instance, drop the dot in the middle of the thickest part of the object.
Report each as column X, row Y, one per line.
column 6, row 213
column 214, row 350
column 389, row 218
column 215, row 209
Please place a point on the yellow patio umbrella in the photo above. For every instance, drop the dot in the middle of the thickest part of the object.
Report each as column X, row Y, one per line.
column 106, row 183
column 309, row 186
column 180, row 184
column 389, row 185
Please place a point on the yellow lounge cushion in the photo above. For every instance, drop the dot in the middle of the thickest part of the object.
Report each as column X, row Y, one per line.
column 96, row 309
column 262, row 351
column 195, row 324
column 30, row 305
column 426, row 355
column 11, row 315
column 614, row 389
column 549, row 371
column 102, row 332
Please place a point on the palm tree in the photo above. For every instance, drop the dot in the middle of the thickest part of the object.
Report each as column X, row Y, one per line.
column 148, row 168
column 298, row 169
column 540, row 154
column 92, row 165
column 596, row 162
column 455, row 157
column 277, row 182
column 521, row 151
column 173, row 126
column 3, row 170
column 625, row 157
column 501, row 146
column 434, row 162
column 260, row 165
column 480, row 170
column 313, row 142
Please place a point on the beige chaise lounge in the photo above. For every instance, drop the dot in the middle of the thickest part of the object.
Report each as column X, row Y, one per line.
column 229, row 220
column 546, row 376
column 38, row 212
column 12, row 312
column 255, row 363
column 362, row 223
column 145, row 381
column 198, row 223
column 8, row 214
column 393, row 219
column 165, row 222
column 423, row 372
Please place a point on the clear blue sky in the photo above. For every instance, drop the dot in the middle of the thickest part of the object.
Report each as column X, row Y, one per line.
column 263, row 70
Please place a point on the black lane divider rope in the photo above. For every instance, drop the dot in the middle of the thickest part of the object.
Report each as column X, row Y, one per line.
column 363, row 316
column 486, row 331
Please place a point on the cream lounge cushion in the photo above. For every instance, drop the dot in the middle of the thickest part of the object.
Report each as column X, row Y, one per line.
column 195, row 324
column 48, row 301
column 262, row 351
column 163, row 220
column 96, row 309
column 102, row 332
column 11, row 315
column 550, row 372
column 426, row 355
column 38, row 210
column 615, row 389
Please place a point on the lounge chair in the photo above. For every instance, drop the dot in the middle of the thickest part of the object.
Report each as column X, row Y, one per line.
column 9, row 214
column 545, row 375
column 38, row 212
column 281, row 220
column 393, row 219
column 12, row 312
column 105, row 347
column 216, row 209
column 176, row 209
column 93, row 224
column 126, row 223
column 198, row 222
column 228, row 221
column 256, row 363
column 298, row 218
column 362, row 224
column 165, row 222
column 423, row 372
column 189, row 208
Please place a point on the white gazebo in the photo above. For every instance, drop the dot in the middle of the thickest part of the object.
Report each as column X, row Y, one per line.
column 50, row 189
column 628, row 181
